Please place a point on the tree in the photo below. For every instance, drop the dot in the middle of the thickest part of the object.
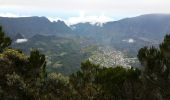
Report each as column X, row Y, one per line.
column 25, row 78
column 5, row 41
column 93, row 82
column 82, row 81
column 156, row 70
column 37, row 63
column 13, row 75
column 56, row 87
column 119, row 83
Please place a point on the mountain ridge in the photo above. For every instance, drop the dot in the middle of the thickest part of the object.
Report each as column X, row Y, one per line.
column 30, row 26
column 153, row 26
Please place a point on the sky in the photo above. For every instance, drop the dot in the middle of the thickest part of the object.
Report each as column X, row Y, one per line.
column 74, row 11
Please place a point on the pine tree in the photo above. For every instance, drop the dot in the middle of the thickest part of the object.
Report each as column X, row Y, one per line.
column 5, row 41
column 156, row 70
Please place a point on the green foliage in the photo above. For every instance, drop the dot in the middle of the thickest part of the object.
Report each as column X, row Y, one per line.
column 4, row 40
column 13, row 74
column 156, row 69
column 25, row 78
column 56, row 87
column 21, row 77
column 38, row 63
column 95, row 82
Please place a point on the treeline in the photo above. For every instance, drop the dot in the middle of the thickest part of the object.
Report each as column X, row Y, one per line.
column 24, row 77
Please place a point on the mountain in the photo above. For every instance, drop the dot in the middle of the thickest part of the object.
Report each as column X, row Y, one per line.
column 142, row 30
column 18, row 36
column 150, row 26
column 29, row 26
column 86, row 29
column 69, row 45
column 153, row 26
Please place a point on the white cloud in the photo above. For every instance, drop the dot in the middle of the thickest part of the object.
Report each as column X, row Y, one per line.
column 92, row 19
column 11, row 15
column 82, row 18
column 21, row 40
column 130, row 40
column 8, row 15
column 52, row 19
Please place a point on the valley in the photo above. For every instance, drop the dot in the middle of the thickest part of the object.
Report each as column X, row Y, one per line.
column 110, row 44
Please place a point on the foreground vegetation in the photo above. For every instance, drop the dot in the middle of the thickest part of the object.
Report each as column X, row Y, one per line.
column 24, row 77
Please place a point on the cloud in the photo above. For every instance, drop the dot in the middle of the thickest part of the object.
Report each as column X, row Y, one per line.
column 82, row 18
column 106, row 6
column 66, row 8
column 21, row 40
column 8, row 15
column 92, row 19
column 130, row 40
column 52, row 19
column 11, row 15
